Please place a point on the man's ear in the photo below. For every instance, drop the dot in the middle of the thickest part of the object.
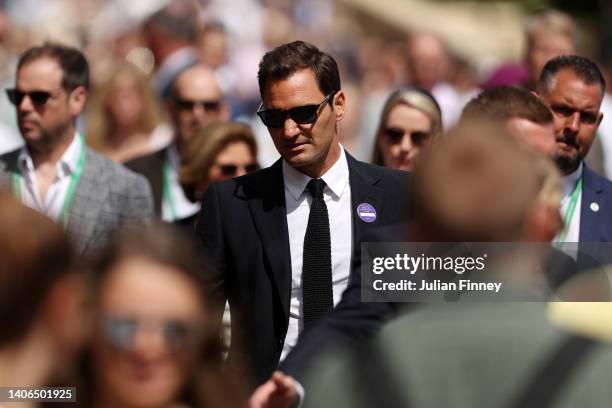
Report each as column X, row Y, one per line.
column 76, row 100
column 339, row 105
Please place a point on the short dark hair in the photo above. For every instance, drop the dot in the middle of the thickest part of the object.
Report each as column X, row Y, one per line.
column 36, row 254
column 583, row 67
column 506, row 102
column 72, row 62
column 287, row 59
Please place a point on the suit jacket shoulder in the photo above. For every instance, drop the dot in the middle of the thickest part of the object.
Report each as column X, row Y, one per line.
column 107, row 197
column 151, row 167
column 596, row 208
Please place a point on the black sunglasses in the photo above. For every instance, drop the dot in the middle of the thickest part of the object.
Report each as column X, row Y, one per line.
column 38, row 98
column 303, row 115
column 120, row 332
column 396, row 135
column 230, row 170
column 208, row 106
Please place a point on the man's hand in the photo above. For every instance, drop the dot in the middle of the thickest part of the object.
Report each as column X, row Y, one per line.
column 280, row 391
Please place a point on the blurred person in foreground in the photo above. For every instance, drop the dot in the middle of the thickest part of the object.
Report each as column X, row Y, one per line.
column 55, row 172
column 219, row 151
column 155, row 342
column 517, row 355
column 195, row 101
column 573, row 87
column 523, row 114
column 42, row 299
column 410, row 122
column 283, row 240
column 123, row 119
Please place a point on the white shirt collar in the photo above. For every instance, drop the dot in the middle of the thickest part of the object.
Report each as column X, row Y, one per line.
column 569, row 181
column 66, row 164
column 336, row 178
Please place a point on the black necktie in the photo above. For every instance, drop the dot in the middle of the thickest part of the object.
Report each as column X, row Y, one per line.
column 316, row 269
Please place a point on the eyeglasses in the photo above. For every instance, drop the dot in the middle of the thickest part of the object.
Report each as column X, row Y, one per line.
column 38, row 98
column 396, row 135
column 188, row 105
column 303, row 115
column 230, row 170
column 120, row 332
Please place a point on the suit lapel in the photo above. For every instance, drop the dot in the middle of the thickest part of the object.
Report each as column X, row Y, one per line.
column 363, row 191
column 592, row 202
column 90, row 196
column 270, row 217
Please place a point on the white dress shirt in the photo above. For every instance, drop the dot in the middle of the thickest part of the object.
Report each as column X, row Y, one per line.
column 569, row 184
column 52, row 205
column 177, row 206
column 337, row 196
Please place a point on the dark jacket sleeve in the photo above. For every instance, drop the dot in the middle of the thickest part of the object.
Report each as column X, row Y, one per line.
column 209, row 244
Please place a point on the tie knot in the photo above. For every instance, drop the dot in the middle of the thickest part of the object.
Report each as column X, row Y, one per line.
column 315, row 188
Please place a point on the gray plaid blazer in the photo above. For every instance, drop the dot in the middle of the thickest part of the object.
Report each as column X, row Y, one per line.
column 108, row 196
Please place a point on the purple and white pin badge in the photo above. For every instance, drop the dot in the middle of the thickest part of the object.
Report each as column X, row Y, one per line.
column 366, row 212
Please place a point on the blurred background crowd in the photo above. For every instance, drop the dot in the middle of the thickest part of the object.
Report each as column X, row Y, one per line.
column 452, row 49
column 166, row 78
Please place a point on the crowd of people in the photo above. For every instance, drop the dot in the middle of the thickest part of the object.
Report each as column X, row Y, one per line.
column 159, row 250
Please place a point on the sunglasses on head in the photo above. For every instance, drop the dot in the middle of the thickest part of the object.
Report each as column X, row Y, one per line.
column 188, row 105
column 230, row 170
column 302, row 115
column 396, row 135
column 38, row 98
column 120, row 332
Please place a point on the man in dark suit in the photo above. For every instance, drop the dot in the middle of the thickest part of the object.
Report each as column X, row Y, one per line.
column 282, row 240
column 573, row 88
column 196, row 101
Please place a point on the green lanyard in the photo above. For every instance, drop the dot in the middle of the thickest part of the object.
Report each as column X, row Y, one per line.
column 74, row 181
column 167, row 192
column 571, row 208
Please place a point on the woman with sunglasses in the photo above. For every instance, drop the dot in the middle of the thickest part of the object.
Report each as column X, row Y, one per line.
column 411, row 120
column 217, row 152
column 155, row 341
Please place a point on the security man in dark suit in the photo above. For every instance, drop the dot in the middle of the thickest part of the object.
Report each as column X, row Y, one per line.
column 282, row 241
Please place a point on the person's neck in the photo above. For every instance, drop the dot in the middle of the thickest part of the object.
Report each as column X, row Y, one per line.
column 51, row 153
column 126, row 135
column 29, row 362
column 319, row 169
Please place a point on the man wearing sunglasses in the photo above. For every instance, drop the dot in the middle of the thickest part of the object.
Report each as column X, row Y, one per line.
column 55, row 173
column 283, row 240
column 196, row 100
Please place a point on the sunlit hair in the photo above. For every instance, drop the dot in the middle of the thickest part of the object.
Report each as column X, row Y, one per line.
column 507, row 102
column 552, row 22
column 202, row 151
column 100, row 122
column 413, row 97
